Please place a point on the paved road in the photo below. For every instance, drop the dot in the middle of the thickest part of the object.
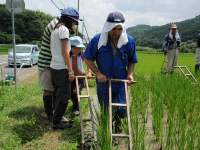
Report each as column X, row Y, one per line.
column 3, row 58
column 22, row 73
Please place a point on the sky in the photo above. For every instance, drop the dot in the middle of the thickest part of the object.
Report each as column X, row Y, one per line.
column 94, row 12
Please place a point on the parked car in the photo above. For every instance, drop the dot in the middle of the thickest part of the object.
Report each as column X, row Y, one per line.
column 26, row 54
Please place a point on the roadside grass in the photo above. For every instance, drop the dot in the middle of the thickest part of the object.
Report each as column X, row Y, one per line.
column 19, row 120
column 24, row 124
column 4, row 48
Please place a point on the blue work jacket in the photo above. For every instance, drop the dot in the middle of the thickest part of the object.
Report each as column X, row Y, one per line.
column 112, row 66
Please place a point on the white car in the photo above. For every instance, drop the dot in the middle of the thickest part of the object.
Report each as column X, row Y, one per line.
column 26, row 55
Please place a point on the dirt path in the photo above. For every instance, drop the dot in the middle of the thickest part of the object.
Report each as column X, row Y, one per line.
column 27, row 73
column 22, row 73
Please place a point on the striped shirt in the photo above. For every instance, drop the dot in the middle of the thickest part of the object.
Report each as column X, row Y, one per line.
column 44, row 58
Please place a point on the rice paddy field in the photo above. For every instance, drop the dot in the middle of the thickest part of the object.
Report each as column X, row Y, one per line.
column 164, row 112
column 170, row 102
column 151, row 63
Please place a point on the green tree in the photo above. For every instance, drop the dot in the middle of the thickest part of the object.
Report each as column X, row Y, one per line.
column 29, row 25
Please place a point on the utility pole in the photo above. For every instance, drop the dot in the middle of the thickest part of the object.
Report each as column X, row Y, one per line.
column 83, row 25
column 14, row 6
column 82, row 28
column 13, row 33
column 78, row 6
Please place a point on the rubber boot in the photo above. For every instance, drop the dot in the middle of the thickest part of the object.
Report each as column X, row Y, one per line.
column 48, row 106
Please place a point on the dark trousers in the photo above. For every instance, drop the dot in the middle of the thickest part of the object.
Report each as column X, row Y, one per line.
column 60, row 79
column 118, row 96
column 197, row 68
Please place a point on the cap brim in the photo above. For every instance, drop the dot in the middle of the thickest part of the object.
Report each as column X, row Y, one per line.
column 81, row 46
column 76, row 20
column 173, row 27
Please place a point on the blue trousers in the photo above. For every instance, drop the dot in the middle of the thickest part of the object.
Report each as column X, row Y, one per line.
column 118, row 96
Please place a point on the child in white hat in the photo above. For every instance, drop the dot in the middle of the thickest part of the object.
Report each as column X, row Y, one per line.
column 77, row 65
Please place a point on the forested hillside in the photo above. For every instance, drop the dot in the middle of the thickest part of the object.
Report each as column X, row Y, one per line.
column 152, row 36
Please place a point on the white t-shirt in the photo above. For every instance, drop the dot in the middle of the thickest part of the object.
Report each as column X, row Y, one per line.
column 57, row 61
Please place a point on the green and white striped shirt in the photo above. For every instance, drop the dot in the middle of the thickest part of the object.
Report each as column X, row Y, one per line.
column 44, row 58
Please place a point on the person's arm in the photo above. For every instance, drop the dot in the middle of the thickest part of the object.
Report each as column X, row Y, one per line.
column 90, row 55
column 132, row 60
column 92, row 66
column 65, row 53
column 130, row 71
column 75, row 68
column 165, row 44
column 89, row 72
column 74, row 64
column 178, row 43
column 74, row 61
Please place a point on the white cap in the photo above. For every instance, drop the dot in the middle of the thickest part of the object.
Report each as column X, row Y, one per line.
column 173, row 26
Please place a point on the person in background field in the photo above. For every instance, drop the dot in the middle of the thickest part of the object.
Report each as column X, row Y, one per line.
column 77, row 65
column 61, row 69
column 197, row 53
column 115, row 54
column 172, row 44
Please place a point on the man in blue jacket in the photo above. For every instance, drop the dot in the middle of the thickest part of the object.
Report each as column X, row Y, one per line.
column 115, row 54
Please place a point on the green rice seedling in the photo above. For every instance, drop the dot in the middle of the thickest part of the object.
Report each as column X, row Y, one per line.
column 172, row 93
column 139, row 102
column 91, row 83
column 103, row 131
column 157, row 105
